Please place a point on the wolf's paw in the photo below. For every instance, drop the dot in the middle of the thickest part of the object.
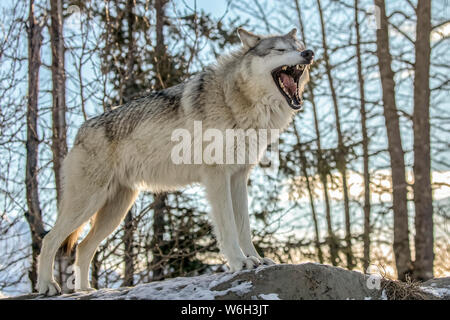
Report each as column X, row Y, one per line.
column 247, row 263
column 266, row 261
column 49, row 288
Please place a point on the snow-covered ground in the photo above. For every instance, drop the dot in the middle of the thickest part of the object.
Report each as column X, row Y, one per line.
column 439, row 292
column 182, row 288
column 277, row 282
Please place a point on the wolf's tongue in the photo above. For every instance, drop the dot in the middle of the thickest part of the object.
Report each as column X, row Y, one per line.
column 288, row 83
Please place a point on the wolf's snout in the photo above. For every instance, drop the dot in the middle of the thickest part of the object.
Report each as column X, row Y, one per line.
column 308, row 55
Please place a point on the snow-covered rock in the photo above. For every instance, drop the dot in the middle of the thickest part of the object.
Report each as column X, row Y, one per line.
column 277, row 282
column 439, row 287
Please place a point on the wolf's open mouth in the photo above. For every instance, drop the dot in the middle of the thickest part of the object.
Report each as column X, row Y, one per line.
column 287, row 80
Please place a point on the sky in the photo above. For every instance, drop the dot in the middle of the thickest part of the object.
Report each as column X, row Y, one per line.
column 218, row 8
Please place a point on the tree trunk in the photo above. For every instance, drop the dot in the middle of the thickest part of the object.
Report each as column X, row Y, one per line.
column 96, row 264
column 321, row 163
column 310, row 194
column 162, row 70
column 33, row 215
column 128, row 279
column 161, row 58
column 158, row 233
column 128, row 92
column 401, row 230
column 59, row 143
column 341, row 153
column 423, row 265
column 365, row 145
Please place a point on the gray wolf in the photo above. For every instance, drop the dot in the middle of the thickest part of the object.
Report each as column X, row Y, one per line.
column 126, row 150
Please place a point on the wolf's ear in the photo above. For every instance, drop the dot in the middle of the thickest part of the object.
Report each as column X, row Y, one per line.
column 249, row 40
column 292, row 33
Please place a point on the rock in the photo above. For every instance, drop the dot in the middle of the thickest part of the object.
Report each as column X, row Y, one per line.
column 284, row 281
column 300, row 282
column 439, row 287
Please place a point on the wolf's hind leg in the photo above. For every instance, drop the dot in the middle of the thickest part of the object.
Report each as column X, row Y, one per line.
column 76, row 210
column 240, row 208
column 219, row 196
column 105, row 222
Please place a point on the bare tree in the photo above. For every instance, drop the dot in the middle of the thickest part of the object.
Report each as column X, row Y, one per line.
column 59, row 129
column 322, row 166
column 402, row 250
column 423, row 201
column 341, row 162
column 59, row 143
column 309, row 188
column 365, row 142
column 33, row 215
column 127, row 93
column 161, row 70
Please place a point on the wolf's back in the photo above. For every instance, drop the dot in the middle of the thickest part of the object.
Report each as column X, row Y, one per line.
column 121, row 121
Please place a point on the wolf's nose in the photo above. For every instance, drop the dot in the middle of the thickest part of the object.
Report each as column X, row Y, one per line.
column 308, row 55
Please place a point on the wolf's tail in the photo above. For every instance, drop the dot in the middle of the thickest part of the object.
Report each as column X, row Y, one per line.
column 71, row 240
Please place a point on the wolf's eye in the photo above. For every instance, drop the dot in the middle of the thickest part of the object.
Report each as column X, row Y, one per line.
column 279, row 50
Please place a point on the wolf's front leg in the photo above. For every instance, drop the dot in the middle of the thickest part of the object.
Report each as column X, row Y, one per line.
column 240, row 208
column 219, row 196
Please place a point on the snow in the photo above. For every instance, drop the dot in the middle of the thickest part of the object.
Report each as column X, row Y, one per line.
column 15, row 251
column 269, row 296
column 438, row 292
column 192, row 288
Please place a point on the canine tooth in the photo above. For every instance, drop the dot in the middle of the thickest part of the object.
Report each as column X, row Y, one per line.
column 297, row 67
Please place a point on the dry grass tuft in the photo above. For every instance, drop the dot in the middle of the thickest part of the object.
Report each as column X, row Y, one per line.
column 402, row 290
column 409, row 290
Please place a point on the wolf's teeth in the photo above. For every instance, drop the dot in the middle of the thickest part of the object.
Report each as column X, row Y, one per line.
column 297, row 67
column 284, row 68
